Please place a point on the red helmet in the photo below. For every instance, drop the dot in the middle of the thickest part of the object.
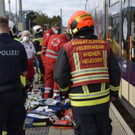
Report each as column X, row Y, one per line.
column 79, row 20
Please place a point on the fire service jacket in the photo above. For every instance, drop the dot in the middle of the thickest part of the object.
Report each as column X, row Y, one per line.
column 89, row 71
column 37, row 42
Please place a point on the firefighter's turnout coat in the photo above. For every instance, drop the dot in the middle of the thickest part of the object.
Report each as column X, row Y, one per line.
column 89, row 71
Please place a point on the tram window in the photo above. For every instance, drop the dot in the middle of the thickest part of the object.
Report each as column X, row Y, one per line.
column 115, row 32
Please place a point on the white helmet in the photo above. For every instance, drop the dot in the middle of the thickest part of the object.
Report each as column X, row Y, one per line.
column 37, row 29
column 13, row 29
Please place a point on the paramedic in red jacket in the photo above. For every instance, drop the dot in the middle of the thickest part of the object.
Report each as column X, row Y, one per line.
column 53, row 30
column 54, row 45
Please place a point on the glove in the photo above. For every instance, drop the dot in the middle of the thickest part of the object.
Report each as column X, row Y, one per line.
column 37, row 62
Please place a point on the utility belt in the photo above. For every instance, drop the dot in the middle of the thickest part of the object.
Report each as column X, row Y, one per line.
column 10, row 87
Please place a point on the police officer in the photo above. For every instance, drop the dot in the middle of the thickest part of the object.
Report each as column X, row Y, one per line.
column 13, row 63
column 37, row 42
column 87, row 68
column 13, row 33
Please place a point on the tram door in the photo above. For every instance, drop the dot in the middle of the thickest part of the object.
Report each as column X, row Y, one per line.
column 128, row 21
column 128, row 52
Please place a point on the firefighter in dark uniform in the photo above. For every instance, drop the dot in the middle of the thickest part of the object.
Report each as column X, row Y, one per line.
column 13, row 63
column 37, row 42
column 87, row 68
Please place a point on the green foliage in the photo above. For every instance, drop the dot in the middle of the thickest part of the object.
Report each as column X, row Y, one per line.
column 44, row 19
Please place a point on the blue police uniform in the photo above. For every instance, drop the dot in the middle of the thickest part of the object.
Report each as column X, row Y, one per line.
column 13, row 61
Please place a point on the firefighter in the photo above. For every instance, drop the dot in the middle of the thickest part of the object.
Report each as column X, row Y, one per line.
column 53, row 30
column 37, row 42
column 13, row 63
column 54, row 45
column 87, row 68
column 31, row 55
column 13, row 30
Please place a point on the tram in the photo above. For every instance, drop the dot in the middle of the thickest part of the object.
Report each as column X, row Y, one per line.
column 115, row 21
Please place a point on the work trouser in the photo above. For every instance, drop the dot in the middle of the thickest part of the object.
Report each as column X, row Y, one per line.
column 50, row 84
column 43, row 60
column 12, row 111
column 30, row 75
column 92, row 124
column 40, row 69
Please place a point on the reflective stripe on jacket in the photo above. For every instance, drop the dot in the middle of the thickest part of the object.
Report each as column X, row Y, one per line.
column 54, row 45
column 88, row 60
column 39, row 45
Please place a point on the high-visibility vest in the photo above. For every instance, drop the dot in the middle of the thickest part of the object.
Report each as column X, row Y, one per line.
column 40, row 43
column 88, row 61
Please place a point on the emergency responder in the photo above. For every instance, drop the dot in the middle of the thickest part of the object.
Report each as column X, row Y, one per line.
column 53, row 30
column 13, row 30
column 45, row 27
column 37, row 42
column 88, row 68
column 31, row 55
column 13, row 33
column 13, row 63
column 54, row 45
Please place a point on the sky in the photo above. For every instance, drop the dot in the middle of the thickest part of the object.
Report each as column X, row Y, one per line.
column 50, row 7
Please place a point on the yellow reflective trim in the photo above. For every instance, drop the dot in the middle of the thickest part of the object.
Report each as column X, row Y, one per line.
column 90, row 102
column 38, row 39
column 89, row 70
column 39, row 124
column 38, row 52
column 105, row 58
column 65, row 89
column 4, row 132
column 113, row 88
column 23, row 80
column 90, row 95
column 76, row 61
column 17, row 39
column 82, row 17
column 103, row 86
column 39, row 75
column 90, row 77
column 74, row 31
column 85, row 89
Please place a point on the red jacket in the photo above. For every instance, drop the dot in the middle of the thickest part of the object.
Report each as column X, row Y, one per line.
column 88, row 61
column 54, row 45
column 46, row 36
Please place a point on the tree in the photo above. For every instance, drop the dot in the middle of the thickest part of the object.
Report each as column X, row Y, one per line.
column 44, row 19
column 41, row 19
